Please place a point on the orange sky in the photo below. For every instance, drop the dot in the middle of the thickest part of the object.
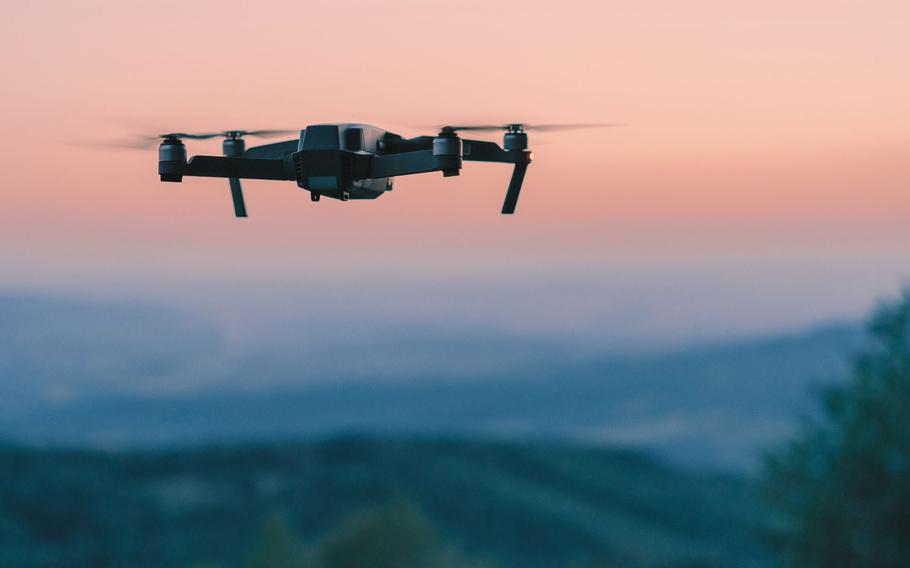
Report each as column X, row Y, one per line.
column 766, row 127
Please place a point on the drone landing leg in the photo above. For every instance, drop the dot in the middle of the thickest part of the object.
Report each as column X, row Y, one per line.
column 518, row 176
column 237, row 195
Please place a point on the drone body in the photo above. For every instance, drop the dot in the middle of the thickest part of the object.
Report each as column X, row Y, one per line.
column 344, row 161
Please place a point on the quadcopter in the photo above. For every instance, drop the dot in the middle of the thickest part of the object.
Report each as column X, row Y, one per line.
column 348, row 161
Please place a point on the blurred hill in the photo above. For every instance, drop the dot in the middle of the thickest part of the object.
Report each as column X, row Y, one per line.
column 113, row 376
column 508, row 505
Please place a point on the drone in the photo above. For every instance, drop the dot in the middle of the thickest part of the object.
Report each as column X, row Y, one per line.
column 348, row 161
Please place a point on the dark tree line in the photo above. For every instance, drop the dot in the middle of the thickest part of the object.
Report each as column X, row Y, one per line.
column 840, row 492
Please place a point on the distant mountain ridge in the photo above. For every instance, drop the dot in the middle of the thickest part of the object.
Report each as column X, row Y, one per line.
column 90, row 374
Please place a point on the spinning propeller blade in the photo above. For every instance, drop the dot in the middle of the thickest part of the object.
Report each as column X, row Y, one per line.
column 149, row 142
column 257, row 133
column 519, row 127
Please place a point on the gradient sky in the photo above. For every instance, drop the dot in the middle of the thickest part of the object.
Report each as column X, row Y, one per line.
column 763, row 179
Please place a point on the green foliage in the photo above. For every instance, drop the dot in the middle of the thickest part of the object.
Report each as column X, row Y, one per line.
column 396, row 535
column 840, row 492
column 277, row 547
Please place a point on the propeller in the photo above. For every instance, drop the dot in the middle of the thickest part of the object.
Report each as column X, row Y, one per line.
column 148, row 142
column 257, row 133
column 519, row 127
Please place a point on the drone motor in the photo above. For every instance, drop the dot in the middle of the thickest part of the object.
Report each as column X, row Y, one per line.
column 171, row 159
column 233, row 146
column 515, row 138
column 447, row 153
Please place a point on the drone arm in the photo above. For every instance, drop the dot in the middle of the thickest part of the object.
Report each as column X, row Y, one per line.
column 247, row 168
column 405, row 163
column 480, row 151
column 274, row 151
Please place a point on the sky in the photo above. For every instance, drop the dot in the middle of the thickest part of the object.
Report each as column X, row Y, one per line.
column 761, row 180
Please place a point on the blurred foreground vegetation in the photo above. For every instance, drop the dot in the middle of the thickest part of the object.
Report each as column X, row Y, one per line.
column 372, row 503
column 839, row 495
column 395, row 535
column 840, row 492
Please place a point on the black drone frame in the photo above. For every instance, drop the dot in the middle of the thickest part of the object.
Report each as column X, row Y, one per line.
column 395, row 156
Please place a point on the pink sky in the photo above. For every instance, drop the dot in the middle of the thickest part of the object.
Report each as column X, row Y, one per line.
column 767, row 128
